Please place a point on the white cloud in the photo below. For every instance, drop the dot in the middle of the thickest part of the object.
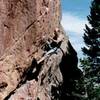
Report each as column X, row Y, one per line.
column 72, row 23
column 77, row 43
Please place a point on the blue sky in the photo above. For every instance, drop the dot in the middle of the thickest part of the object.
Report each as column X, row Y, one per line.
column 74, row 18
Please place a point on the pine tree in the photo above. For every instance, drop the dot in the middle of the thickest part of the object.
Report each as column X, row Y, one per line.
column 92, row 52
column 92, row 35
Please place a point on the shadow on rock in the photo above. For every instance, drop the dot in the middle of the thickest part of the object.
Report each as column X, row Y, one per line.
column 70, row 73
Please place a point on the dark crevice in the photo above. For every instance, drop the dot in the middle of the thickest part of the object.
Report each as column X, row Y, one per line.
column 28, row 75
column 55, row 35
column 38, row 98
column 42, row 78
column 30, row 25
column 6, row 26
column 45, row 3
column 3, row 85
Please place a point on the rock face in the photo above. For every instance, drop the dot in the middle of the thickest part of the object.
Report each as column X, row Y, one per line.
column 35, row 55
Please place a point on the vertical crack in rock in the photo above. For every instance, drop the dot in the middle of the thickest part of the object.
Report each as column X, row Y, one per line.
column 27, row 76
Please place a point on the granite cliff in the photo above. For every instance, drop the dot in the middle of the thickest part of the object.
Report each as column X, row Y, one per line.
column 36, row 57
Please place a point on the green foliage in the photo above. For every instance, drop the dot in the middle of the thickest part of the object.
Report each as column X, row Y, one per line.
column 90, row 80
column 92, row 34
column 91, row 62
